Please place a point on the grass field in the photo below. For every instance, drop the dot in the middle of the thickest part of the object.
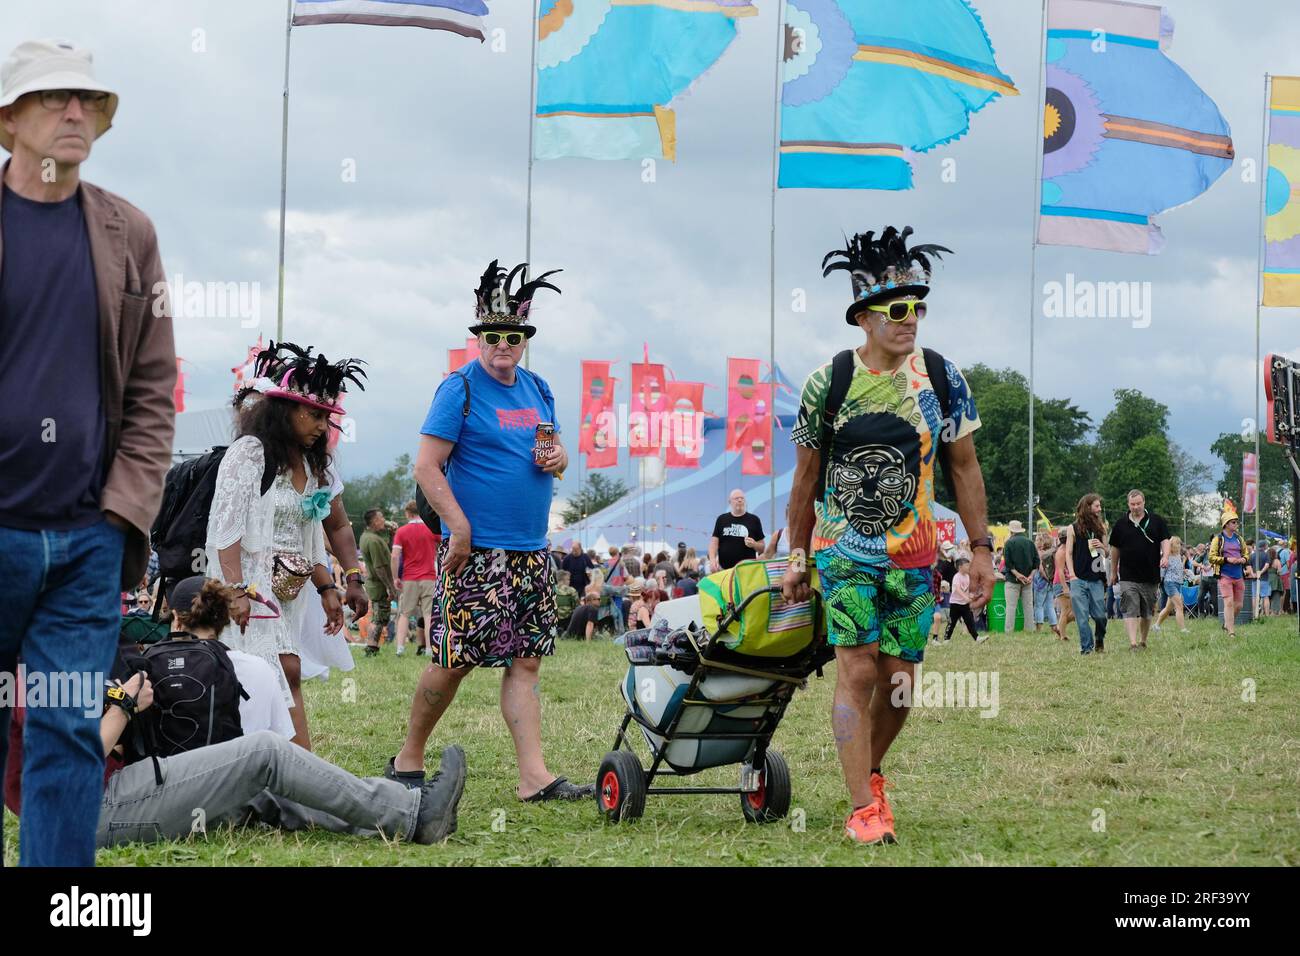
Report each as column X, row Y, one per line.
column 1150, row 759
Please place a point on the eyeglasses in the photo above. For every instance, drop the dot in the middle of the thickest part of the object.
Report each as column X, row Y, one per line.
column 92, row 101
column 512, row 338
column 901, row 311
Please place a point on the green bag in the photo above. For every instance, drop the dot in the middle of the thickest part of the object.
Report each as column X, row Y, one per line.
column 144, row 630
column 768, row 626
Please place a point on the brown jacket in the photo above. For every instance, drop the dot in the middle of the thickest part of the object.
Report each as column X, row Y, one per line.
column 137, row 364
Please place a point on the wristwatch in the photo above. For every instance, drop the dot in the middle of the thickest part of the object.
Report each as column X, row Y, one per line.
column 118, row 697
column 985, row 542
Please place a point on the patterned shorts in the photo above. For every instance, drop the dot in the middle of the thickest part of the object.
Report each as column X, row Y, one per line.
column 501, row 606
column 867, row 605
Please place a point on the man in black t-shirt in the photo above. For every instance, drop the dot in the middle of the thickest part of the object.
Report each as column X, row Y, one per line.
column 583, row 622
column 1139, row 551
column 737, row 535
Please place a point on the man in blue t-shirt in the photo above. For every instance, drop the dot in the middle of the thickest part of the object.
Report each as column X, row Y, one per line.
column 486, row 472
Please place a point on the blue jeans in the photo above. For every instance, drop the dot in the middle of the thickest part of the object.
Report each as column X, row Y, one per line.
column 1089, row 603
column 63, row 618
column 1044, row 606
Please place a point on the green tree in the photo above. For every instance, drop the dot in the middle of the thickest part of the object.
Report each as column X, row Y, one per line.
column 1134, row 417
column 1134, row 453
column 389, row 491
column 600, row 491
column 1063, row 456
column 1275, row 502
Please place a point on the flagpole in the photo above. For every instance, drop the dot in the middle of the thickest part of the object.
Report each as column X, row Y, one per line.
column 776, row 166
column 1033, row 251
column 532, row 123
column 284, row 168
column 1259, row 301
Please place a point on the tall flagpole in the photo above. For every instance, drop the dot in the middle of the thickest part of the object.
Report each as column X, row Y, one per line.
column 1259, row 302
column 776, row 166
column 532, row 123
column 1033, row 253
column 284, row 168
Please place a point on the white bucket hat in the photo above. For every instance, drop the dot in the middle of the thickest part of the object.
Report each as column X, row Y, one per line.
column 1015, row 527
column 37, row 65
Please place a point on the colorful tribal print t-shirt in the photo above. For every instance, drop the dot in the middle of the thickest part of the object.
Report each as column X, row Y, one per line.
column 877, row 506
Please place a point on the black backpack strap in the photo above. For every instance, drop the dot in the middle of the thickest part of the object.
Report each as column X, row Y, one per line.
column 937, row 370
column 464, row 378
column 841, row 379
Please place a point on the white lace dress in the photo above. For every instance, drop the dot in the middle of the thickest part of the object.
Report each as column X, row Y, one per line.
column 262, row 524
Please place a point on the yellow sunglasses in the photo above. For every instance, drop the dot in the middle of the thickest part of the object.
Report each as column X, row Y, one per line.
column 512, row 338
column 900, row 311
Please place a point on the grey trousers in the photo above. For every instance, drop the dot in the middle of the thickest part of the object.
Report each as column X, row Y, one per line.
column 1022, row 594
column 258, row 778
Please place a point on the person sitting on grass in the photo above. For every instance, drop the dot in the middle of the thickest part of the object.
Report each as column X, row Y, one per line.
column 638, row 613
column 258, row 777
column 566, row 598
column 583, row 622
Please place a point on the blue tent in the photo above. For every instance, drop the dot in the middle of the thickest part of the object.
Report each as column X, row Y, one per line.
column 686, row 504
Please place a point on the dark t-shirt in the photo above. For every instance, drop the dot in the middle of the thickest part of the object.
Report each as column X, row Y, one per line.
column 946, row 570
column 581, row 615
column 1020, row 555
column 52, row 428
column 731, row 533
column 577, row 565
column 1139, row 547
column 1087, row 566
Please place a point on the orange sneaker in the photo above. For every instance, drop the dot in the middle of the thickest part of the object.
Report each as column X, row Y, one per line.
column 878, row 785
column 865, row 826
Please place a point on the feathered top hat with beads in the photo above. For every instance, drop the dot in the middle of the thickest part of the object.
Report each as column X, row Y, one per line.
column 498, row 309
column 883, row 269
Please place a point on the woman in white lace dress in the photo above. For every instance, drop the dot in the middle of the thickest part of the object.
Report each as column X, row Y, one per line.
column 265, row 536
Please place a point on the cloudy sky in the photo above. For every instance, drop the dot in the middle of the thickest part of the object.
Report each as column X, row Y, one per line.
column 436, row 126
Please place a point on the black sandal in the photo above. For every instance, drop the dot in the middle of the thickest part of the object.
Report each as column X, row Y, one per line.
column 561, row 789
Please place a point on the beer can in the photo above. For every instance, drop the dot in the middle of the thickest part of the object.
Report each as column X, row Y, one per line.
column 545, row 441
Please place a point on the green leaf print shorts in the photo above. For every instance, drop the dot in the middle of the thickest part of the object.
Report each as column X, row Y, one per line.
column 868, row 604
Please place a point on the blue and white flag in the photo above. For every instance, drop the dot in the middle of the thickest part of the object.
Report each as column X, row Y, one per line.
column 1127, row 133
column 456, row 16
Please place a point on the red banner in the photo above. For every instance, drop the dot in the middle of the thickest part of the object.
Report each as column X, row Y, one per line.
column 598, row 437
column 645, row 411
column 178, row 392
column 947, row 531
column 244, row 372
column 459, row 358
column 685, row 440
column 756, row 439
column 742, row 399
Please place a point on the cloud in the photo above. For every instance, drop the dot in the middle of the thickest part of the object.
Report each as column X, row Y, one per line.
column 383, row 267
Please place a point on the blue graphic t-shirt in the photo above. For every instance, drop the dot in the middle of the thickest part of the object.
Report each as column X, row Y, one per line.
column 504, row 494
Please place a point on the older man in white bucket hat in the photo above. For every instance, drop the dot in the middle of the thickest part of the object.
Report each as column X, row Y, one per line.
column 86, row 429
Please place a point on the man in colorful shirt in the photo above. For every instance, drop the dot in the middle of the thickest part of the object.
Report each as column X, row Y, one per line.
column 871, row 428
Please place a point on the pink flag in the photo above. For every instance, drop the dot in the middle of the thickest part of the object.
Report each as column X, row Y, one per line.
column 1249, row 483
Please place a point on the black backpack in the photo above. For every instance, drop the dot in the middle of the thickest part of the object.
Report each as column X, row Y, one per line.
column 842, row 377
column 180, row 531
column 196, row 696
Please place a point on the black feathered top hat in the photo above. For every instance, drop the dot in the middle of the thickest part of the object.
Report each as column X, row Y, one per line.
column 883, row 269
column 315, row 382
column 498, row 309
